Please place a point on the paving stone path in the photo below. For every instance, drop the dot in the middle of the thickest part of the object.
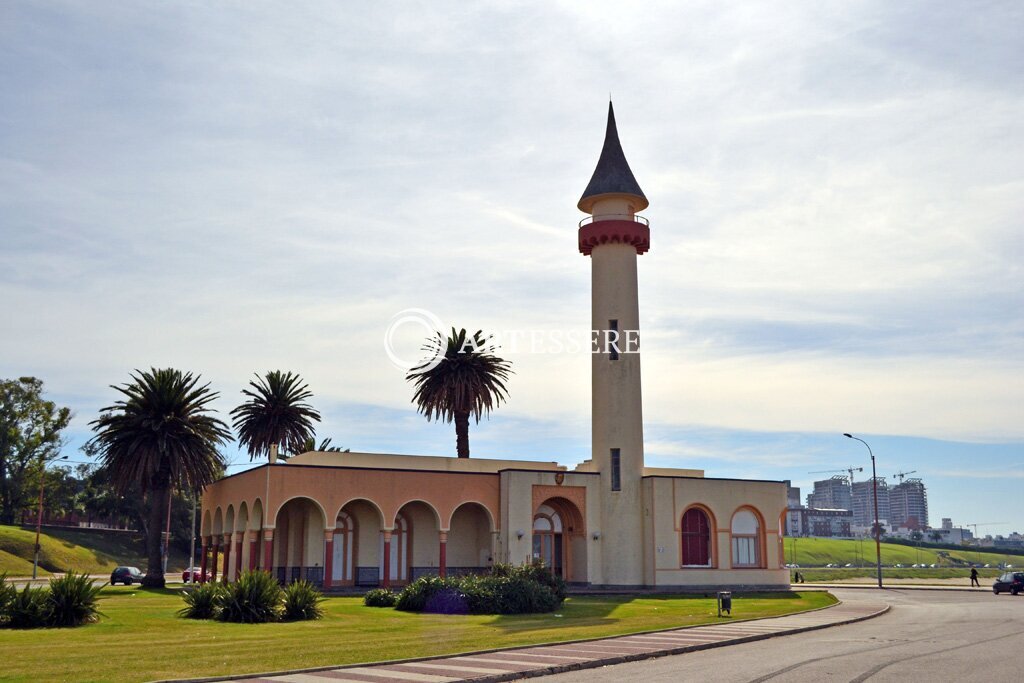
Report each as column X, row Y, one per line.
column 528, row 662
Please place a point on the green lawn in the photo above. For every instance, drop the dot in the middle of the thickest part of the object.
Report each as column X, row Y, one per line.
column 817, row 552
column 141, row 639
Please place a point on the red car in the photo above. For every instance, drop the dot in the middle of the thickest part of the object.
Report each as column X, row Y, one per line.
column 194, row 574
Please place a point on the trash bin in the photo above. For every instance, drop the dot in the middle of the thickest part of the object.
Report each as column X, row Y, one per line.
column 725, row 602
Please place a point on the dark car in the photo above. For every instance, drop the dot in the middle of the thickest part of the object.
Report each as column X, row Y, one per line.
column 125, row 575
column 1010, row 581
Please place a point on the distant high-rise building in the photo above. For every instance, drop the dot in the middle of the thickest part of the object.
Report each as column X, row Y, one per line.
column 947, row 523
column 831, row 494
column 792, row 495
column 908, row 505
column 862, row 495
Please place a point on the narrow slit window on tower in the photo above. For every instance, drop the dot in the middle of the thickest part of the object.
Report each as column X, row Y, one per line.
column 616, row 471
column 613, row 339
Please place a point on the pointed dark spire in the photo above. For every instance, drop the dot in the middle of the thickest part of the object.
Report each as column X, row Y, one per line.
column 612, row 175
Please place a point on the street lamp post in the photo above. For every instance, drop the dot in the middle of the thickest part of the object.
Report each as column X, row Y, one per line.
column 39, row 514
column 874, row 486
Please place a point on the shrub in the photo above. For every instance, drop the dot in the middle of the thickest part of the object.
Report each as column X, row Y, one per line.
column 379, row 597
column 202, row 601
column 71, row 600
column 253, row 599
column 29, row 608
column 506, row 590
column 423, row 591
column 302, row 602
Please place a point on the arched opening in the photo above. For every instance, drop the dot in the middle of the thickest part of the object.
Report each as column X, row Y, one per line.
column 255, row 533
column 746, row 531
column 697, row 548
column 357, row 551
column 343, row 566
column 398, row 570
column 227, row 541
column 469, row 546
column 298, row 551
column 242, row 544
column 559, row 538
column 415, row 543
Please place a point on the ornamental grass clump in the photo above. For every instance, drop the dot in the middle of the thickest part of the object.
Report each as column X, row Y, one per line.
column 202, row 601
column 7, row 595
column 255, row 598
column 301, row 602
column 29, row 608
column 72, row 600
column 379, row 597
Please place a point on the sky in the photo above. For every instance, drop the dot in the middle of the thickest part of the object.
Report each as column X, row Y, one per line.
column 837, row 203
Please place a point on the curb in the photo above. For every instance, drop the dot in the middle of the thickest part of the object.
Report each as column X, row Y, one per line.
column 558, row 668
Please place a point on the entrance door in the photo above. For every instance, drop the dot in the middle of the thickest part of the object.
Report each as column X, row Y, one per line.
column 547, row 539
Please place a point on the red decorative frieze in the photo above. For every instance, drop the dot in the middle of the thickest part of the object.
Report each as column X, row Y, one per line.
column 600, row 232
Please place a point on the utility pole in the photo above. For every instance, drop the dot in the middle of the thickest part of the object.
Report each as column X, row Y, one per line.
column 39, row 514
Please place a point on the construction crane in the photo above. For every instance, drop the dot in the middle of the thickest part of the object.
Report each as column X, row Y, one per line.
column 903, row 474
column 851, row 470
column 983, row 524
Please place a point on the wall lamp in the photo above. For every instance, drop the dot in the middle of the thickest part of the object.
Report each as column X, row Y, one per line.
column 596, row 536
column 520, row 533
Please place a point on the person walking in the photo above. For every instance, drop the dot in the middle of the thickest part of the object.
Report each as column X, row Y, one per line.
column 974, row 578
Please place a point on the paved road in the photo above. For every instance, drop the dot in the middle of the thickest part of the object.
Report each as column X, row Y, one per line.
column 926, row 636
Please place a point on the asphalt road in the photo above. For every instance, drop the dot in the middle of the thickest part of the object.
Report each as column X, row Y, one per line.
column 926, row 636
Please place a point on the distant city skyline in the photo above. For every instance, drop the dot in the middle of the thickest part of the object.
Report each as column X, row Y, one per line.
column 836, row 220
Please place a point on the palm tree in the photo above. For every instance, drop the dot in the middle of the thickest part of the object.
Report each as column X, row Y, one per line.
column 324, row 447
column 160, row 435
column 935, row 536
column 276, row 415
column 468, row 380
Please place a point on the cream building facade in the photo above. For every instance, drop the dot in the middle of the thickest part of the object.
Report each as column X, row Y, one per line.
column 362, row 520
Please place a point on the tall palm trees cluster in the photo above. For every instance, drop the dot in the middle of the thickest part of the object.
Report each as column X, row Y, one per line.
column 162, row 433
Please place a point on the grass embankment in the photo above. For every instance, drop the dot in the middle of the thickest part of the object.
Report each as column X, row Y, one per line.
column 812, row 554
column 93, row 551
column 141, row 639
column 817, row 552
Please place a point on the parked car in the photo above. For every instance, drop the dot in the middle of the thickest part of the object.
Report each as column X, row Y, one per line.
column 1010, row 581
column 126, row 575
column 194, row 574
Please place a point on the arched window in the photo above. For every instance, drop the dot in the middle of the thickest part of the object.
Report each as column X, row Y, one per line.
column 746, row 540
column 696, row 539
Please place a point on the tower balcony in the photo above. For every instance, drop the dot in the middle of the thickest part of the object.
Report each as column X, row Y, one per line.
column 631, row 229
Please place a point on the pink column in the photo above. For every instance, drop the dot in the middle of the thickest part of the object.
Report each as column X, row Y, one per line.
column 204, row 549
column 216, row 552
column 328, row 557
column 239, row 539
column 268, row 550
column 226, row 542
column 387, row 560
column 254, row 549
column 442, row 565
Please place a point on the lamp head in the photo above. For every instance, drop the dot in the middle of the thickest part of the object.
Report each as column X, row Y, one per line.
column 848, row 436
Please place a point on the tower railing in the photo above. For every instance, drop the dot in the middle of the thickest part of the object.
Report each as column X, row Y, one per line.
column 634, row 217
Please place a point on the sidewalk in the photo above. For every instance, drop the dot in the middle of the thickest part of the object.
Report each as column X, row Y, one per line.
column 527, row 662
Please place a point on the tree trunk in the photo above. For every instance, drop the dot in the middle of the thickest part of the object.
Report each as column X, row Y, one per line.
column 154, row 528
column 462, row 434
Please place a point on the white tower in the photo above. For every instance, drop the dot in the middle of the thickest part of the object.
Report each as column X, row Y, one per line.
column 613, row 236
